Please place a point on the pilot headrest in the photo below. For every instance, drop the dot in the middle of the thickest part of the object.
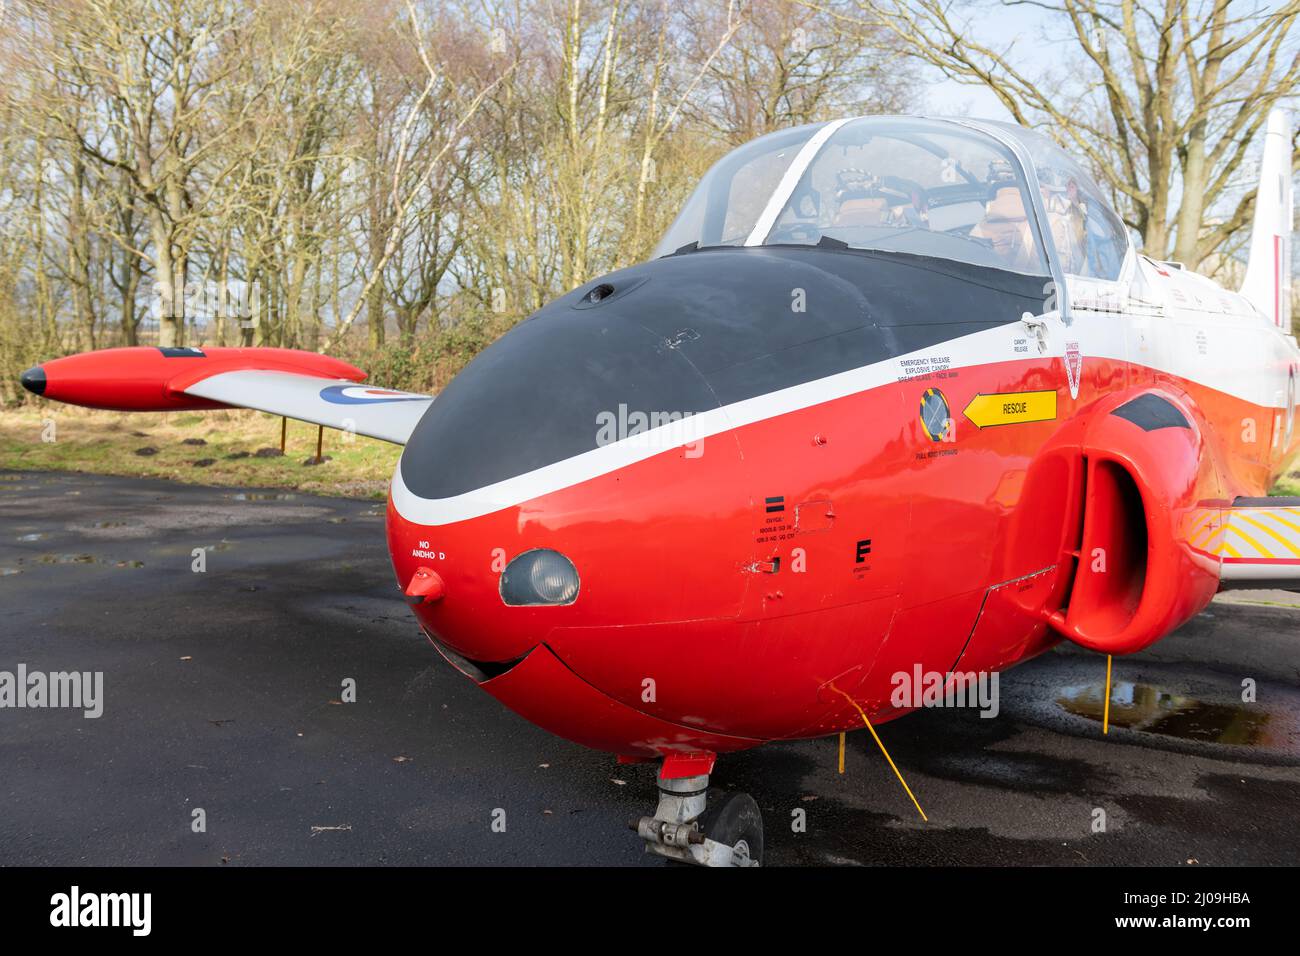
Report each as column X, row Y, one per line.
column 861, row 211
column 1006, row 204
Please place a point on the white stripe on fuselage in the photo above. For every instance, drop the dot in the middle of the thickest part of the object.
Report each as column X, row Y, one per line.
column 979, row 348
column 1099, row 336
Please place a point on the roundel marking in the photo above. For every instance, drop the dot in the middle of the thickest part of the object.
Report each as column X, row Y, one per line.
column 360, row 395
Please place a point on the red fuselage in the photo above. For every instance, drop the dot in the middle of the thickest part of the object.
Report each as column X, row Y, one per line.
column 767, row 581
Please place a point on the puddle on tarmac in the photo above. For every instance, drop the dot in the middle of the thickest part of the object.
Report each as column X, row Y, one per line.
column 5, row 572
column 1155, row 710
column 34, row 536
column 130, row 564
column 264, row 496
column 187, row 550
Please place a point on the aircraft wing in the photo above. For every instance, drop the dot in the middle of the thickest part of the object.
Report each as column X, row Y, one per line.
column 290, row 382
column 337, row 403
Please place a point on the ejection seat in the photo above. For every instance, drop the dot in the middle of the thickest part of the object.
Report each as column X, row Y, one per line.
column 1006, row 226
column 862, row 211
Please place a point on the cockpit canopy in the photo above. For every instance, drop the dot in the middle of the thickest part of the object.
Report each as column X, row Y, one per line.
column 925, row 187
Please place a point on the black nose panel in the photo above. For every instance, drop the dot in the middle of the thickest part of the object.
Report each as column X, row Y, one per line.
column 33, row 380
column 686, row 334
column 540, row 394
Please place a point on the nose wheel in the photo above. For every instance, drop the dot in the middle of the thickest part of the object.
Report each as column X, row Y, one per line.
column 705, row 827
column 733, row 819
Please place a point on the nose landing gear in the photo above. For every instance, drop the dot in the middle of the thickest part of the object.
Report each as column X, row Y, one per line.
column 695, row 825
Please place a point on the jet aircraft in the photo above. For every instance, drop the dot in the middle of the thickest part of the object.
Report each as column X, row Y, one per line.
column 892, row 393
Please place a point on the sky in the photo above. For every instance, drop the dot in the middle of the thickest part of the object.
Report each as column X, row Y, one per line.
column 1000, row 26
column 997, row 26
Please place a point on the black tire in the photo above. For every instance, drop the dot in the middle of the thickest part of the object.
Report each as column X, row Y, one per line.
column 732, row 818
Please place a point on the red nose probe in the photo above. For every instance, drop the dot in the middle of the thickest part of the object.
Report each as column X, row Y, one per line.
column 425, row 587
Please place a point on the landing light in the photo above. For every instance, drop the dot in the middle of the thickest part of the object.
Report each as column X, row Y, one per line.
column 539, row 577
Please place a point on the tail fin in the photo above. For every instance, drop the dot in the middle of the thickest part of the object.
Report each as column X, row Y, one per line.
column 1268, row 270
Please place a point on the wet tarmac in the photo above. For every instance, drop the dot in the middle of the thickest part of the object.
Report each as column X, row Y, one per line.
column 223, row 692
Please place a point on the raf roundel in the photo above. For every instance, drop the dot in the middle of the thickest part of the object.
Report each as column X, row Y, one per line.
column 360, row 395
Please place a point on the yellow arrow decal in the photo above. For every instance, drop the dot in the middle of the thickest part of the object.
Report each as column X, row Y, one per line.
column 1012, row 408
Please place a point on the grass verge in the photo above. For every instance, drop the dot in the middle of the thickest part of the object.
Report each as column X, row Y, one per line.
column 215, row 447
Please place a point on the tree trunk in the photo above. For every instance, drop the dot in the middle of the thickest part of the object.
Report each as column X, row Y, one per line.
column 130, row 285
column 1192, row 208
column 170, row 299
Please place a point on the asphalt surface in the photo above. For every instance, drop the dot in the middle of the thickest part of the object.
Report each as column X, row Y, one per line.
column 222, row 693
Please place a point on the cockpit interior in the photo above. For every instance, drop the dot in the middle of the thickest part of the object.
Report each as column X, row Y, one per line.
column 939, row 188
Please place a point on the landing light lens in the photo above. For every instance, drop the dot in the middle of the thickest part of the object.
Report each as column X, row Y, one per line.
column 537, row 577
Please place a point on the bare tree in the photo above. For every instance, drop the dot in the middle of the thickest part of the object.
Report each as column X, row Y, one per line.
column 791, row 63
column 1163, row 97
column 289, row 173
column 404, row 192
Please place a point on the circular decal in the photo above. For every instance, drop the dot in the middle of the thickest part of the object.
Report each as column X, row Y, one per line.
column 936, row 419
column 361, row 395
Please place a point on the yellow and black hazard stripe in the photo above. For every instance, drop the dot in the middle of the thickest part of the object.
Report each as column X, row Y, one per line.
column 935, row 415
